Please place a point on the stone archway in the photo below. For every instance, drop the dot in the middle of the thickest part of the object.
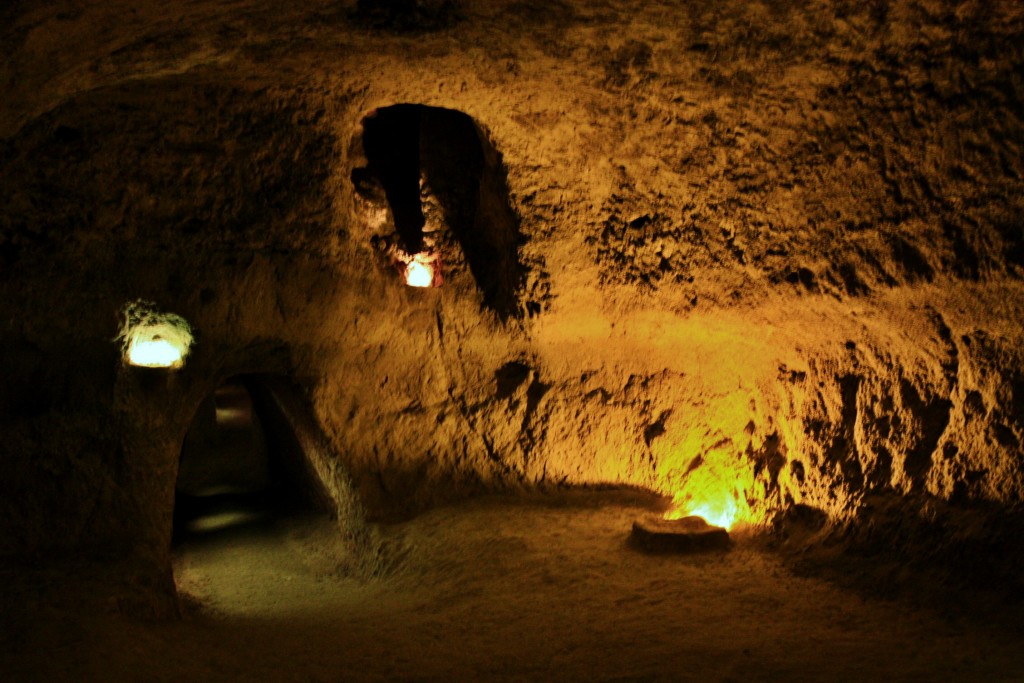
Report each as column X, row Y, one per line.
column 249, row 455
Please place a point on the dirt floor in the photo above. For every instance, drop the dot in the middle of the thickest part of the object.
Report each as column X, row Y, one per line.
column 508, row 589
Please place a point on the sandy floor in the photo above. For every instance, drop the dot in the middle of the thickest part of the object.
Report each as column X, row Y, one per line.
column 510, row 590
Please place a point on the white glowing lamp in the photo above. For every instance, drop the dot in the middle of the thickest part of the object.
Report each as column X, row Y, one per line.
column 154, row 353
column 420, row 270
column 152, row 338
column 419, row 274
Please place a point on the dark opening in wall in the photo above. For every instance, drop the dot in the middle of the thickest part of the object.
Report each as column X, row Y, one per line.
column 242, row 462
column 446, row 190
column 391, row 141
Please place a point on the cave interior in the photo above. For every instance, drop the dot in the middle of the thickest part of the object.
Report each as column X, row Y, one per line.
column 448, row 340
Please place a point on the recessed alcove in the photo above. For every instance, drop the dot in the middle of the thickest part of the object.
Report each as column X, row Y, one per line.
column 445, row 189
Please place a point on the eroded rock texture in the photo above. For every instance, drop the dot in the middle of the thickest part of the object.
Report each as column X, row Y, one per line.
column 769, row 253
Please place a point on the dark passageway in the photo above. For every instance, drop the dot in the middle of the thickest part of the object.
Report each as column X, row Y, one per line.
column 242, row 465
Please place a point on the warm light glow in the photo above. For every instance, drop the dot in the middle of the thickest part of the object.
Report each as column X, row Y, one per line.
column 708, row 466
column 154, row 353
column 722, row 513
column 153, row 338
column 419, row 273
column 716, row 490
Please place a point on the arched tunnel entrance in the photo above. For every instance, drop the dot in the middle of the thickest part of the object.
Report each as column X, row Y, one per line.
column 243, row 463
column 263, row 509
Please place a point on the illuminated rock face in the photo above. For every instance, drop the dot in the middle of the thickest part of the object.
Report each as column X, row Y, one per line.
column 763, row 253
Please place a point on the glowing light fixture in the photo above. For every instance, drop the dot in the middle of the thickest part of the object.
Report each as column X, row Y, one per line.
column 419, row 274
column 154, row 353
column 421, row 270
column 154, row 339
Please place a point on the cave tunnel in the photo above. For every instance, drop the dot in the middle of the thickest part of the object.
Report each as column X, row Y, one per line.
column 242, row 462
column 721, row 378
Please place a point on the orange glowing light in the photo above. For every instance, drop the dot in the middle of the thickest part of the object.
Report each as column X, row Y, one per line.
column 723, row 512
column 715, row 491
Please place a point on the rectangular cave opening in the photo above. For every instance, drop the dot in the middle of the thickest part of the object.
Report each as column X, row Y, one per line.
column 435, row 174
